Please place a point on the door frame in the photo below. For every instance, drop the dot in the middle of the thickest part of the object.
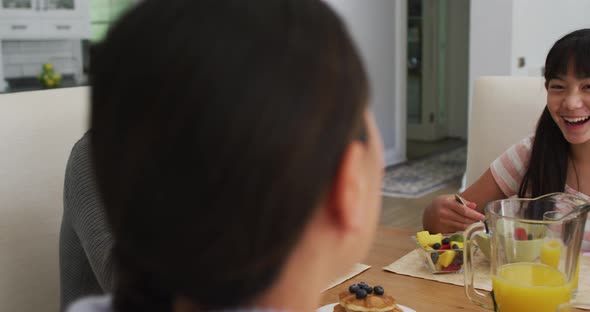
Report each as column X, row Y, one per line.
column 454, row 80
column 430, row 128
column 397, row 154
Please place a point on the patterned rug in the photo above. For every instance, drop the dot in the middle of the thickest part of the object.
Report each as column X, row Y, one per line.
column 422, row 176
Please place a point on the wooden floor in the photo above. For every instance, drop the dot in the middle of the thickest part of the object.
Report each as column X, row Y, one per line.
column 407, row 213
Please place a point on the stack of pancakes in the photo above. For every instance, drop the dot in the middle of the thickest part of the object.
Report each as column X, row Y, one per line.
column 348, row 302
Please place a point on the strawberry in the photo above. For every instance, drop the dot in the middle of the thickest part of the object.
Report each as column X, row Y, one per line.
column 452, row 268
column 520, row 234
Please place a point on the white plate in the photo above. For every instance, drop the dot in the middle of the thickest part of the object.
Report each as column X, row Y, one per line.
column 330, row 308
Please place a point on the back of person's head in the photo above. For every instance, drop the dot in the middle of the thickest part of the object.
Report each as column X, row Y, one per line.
column 218, row 127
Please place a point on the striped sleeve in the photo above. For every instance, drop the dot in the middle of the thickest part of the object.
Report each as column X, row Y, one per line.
column 509, row 169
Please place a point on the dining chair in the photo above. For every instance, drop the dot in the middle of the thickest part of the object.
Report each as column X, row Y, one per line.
column 504, row 110
column 37, row 132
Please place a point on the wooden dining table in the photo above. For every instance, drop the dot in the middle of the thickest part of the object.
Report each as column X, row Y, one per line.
column 419, row 294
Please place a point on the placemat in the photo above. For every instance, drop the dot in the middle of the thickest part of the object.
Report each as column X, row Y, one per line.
column 412, row 265
column 354, row 271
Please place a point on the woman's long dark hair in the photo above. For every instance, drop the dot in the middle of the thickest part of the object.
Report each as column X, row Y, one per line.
column 218, row 127
column 547, row 170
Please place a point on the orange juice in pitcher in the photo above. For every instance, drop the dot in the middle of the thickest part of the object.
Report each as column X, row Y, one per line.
column 551, row 253
column 527, row 286
column 535, row 248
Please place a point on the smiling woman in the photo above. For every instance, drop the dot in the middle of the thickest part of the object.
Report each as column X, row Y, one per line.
column 555, row 159
column 563, row 135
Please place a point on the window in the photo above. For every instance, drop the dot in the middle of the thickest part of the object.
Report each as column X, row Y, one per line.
column 102, row 15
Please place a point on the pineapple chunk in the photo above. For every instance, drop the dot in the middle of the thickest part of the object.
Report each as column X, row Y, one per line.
column 436, row 238
column 446, row 258
column 423, row 238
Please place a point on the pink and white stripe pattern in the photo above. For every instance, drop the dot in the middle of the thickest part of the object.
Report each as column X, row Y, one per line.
column 509, row 169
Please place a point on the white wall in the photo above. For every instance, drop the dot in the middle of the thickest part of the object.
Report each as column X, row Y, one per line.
column 3, row 83
column 502, row 31
column 490, row 40
column 376, row 27
column 536, row 30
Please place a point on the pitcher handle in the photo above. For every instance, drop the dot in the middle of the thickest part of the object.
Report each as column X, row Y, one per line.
column 484, row 300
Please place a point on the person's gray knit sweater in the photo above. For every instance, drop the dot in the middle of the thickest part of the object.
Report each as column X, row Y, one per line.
column 85, row 242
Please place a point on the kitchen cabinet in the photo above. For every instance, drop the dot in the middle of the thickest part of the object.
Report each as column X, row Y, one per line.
column 43, row 8
column 41, row 20
column 44, row 19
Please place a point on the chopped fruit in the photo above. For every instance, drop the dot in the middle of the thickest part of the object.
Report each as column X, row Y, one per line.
column 447, row 258
column 434, row 239
column 353, row 288
column 452, row 268
column 438, row 266
column 423, row 238
column 457, row 238
column 520, row 234
column 459, row 244
column 379, row 290
column 440, row 251
column 361, row 293
column 458, row 261
column 434, row 257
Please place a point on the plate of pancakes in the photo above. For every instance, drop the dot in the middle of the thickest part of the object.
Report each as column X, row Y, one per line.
column 332, row 307
column 363, row 298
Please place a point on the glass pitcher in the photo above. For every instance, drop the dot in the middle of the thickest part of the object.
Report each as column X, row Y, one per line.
column 534, row 252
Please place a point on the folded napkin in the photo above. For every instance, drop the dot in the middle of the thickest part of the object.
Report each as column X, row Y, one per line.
column 412, row 265
column 354, row 271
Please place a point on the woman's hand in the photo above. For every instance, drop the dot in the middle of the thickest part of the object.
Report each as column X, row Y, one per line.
column 446, row 215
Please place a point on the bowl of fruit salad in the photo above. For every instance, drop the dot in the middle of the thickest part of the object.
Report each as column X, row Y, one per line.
column 441, row 253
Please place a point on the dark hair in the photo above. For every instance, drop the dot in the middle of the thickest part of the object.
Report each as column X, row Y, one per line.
column 547, row 170
column 218, row 127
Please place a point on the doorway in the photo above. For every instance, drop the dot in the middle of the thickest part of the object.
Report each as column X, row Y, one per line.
column 437, row 75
